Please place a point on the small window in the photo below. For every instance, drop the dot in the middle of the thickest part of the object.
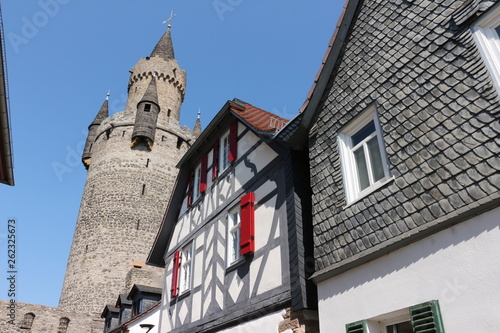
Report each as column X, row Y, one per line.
column 425, row 317
column 196, row 183
column 186, row 268
column 233, row 236
column 486, row 33
column 147, row 108
column 63, row 325
column 137, row 307
column 28, row 320
column 362, row 151
column 108, row 323
column 224, row 153
column 403, row 327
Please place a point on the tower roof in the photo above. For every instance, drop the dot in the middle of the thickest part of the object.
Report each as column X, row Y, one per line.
column 164, row 48
column 151, row 94
column 197, row 126
column 102, row 114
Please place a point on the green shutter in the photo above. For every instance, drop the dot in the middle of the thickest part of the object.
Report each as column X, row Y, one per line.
column 426, row 318
column 357, row 327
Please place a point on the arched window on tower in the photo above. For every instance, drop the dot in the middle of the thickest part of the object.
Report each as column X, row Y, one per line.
column 28, row 321
column 63, row 325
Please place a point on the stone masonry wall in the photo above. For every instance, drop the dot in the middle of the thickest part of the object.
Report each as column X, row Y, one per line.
column 47, row 320
column 125, row 195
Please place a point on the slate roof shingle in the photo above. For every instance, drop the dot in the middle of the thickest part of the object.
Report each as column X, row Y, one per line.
column 439, row 113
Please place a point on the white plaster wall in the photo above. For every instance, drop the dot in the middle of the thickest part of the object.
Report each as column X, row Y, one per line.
column 264, row 324
column 260, row 158
column 458, row 266
column 151, row 318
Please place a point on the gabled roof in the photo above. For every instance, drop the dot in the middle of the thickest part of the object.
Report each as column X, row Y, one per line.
column 143, row 289
column 109, row 309
column 261, row 122
column 300, row 132
column 122, row 300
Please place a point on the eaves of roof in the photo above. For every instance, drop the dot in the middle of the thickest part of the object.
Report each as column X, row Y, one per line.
column 6, row 164
column 321, row 79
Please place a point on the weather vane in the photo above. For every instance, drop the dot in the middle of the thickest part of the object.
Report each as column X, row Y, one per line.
column 172, row 15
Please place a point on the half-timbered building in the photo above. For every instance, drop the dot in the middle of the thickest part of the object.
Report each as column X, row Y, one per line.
column 403, row 123
column 236, row 238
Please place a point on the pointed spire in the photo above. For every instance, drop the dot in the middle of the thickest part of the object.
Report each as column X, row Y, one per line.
column 103, row 112
column 151, row 94
column 197, row 125
column 164, row 48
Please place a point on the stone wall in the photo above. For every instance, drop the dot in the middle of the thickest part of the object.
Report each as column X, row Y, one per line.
column 46, row 319
column 126, row 192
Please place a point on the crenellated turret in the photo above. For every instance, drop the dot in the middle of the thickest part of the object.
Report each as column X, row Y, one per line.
column 101, row 115
column 127, row 189
column 170, row 82
column 146, row 117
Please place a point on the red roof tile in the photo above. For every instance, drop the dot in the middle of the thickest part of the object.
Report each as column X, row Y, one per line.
column 259, row 119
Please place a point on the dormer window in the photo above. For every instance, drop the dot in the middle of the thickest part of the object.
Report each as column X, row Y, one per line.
column 137, row 307
column 147, row 108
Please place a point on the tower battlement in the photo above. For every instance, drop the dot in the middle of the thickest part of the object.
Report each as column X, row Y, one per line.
column 131, row 159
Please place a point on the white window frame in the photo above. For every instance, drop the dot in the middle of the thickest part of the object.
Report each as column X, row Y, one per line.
column 224, row 145
column 196, row 182
column 233, row 236
column 349, row 168
column 186, row 268
column 380, row 323
column 488, row 41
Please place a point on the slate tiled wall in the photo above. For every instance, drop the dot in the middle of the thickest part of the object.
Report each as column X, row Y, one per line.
column 439, row 114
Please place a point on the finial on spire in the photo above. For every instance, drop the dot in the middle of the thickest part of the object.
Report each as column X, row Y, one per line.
column 197, row 125
column 107, row 95
column 172, row 15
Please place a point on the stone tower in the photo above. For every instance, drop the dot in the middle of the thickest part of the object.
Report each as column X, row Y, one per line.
column 131, row 160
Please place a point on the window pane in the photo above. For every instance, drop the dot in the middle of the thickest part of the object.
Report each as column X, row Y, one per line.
column 497, row 29
column 375, row 159
column 404, row 327
column 363, row 133
column 364, row 181
column 225, row 152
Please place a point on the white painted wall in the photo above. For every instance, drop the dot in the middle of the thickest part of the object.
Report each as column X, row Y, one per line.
column 459, row 266
column 151, row 318
column 265, row 324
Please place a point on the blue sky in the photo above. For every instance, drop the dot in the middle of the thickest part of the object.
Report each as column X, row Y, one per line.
column 64, row 55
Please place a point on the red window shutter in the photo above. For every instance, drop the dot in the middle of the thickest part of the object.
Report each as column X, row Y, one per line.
column 190, row 189
column 203, row 177
column 215, row 162
column 175, row 274
column 247, row 231
column 233, row 141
